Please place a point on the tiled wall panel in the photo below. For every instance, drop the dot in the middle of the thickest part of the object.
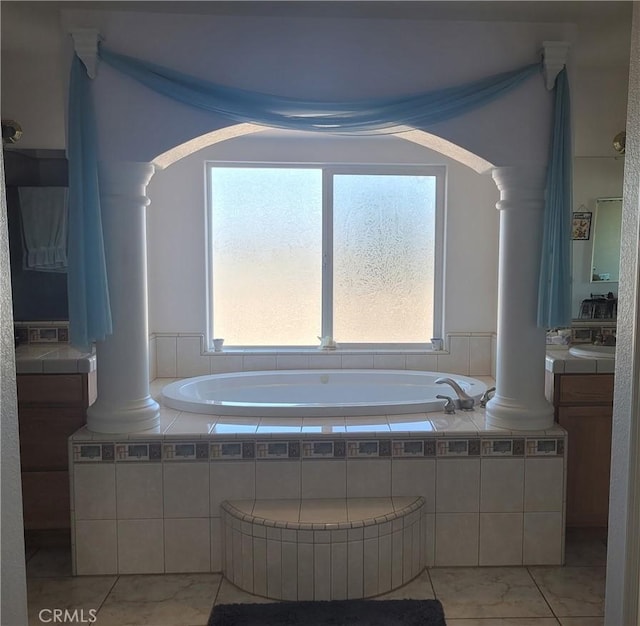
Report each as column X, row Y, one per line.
column 458, row 485
column 501, row 485
column 322, row 479
column 500, row 539
column 186, row 490
column 139, row 491
column 182, row 355
column 543, row 538
column 95, row 547
column 140, row 507
column 187, row 545
column 457, row 538
column 141, row 546
column 94, row 491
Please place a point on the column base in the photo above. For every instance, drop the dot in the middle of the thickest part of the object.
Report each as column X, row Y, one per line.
column 133, row 418
column 505, row 413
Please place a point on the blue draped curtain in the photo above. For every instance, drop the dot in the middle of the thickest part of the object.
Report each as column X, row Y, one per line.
column 554, row 289
column 89, row 312
column 359, row 116
column 87, row 284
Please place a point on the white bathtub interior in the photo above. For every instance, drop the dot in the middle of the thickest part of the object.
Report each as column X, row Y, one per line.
column 316, row 393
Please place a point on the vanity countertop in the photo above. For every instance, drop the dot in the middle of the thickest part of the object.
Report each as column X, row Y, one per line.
column 54, row 358
column 560, row 361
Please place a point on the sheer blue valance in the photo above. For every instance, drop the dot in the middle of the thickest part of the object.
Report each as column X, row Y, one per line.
column 359, row 116
column 89, row 312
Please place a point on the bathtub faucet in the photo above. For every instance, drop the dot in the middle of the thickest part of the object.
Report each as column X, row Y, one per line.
column 449, row 406
column 465, row 401
column 486, row 396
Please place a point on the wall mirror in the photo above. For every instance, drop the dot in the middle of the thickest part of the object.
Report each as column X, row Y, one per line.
column 605, row 260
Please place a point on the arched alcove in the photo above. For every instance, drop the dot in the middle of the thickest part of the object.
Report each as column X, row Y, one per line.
column 176, row 215
column 420, row 137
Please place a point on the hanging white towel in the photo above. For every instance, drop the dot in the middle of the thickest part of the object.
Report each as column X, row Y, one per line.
column 43, row 212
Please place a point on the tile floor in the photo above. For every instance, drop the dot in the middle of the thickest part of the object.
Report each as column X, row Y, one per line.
column 572, row 595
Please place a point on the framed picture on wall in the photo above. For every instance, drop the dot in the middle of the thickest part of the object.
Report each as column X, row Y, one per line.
column 581, row 229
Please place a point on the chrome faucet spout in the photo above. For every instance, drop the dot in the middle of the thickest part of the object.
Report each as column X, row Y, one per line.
column 465, row 401
column 486, row 396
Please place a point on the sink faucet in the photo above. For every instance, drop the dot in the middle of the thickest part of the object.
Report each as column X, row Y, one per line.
column 465, row 401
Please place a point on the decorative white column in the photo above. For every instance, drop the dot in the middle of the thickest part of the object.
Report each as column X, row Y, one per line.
column 124, row 404
column 519, row 402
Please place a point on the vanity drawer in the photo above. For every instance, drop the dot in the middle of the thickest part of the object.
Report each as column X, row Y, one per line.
column 586, row 389
column 52, row 389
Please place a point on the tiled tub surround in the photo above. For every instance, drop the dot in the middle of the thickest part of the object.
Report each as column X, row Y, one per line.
column 151, row 502
column 323, row 549
column 183, row 355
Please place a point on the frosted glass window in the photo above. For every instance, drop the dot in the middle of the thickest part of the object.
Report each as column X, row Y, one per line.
column 383, row 258
column 266, row 253
column 302, row 251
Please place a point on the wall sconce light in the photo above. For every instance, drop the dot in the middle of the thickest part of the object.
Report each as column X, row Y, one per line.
column 619, row 142
column 11, row 131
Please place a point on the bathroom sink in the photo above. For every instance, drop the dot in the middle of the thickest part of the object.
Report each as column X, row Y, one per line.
column 594, row 352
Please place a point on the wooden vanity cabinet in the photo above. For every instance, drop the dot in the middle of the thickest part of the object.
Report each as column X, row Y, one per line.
column 51, row 407
column 583, row 406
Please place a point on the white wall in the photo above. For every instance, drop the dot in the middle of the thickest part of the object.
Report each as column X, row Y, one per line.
column 599, row 107
column 176, row 235
column 323, row 59
column 34, row 73
column 623, row 546
column 14, row 592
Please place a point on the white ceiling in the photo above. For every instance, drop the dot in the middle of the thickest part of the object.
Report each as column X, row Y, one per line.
column 604, row 25
column 26, row 21
column 509, row 10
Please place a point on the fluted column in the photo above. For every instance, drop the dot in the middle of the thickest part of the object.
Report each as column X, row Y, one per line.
column 124, row 404
column 519, row 402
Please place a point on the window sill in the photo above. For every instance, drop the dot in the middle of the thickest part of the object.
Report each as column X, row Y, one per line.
column 317, row 351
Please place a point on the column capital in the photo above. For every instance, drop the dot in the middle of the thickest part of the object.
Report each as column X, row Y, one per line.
column 555, row 58
column 126, row 173
column 520, row 186
column 85, row 44
column 126, row 179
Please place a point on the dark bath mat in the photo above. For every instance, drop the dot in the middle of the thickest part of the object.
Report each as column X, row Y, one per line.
column 334, row 613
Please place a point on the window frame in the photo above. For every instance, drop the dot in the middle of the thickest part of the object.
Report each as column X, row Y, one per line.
column 329, row 170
